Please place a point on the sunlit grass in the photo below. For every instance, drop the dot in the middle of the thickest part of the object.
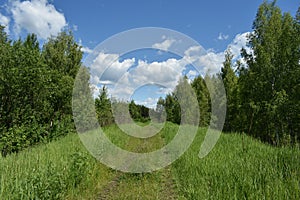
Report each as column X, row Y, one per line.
column 53, row 171
column 238, row 170
column 239, row 167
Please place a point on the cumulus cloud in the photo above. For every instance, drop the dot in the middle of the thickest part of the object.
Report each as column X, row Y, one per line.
column 4, row 21
column 222, row 36
column 126, row 75
column 149, row 102
column 37, row 16
column 108, row 68
column 192, row 54
column 239, row 42
column 165, row 73
column 165, row 45
column 212, row 61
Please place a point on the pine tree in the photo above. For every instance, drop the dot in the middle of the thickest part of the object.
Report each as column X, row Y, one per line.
column 103, row 108
column 230, row 80
column 203, row 98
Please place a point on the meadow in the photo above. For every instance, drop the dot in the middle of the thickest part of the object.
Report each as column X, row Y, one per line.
column 239, row 167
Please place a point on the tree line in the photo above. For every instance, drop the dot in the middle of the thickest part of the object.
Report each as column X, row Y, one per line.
column 263, row 94
column 104, row 109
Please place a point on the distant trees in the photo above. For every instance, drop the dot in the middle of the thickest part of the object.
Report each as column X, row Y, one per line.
column 105, row 115
column 139, row 112
column 180, row 105
column 172, row 108
column 103, row 108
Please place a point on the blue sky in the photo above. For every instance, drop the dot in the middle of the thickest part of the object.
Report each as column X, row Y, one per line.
column 201, row 20
column 214, row 24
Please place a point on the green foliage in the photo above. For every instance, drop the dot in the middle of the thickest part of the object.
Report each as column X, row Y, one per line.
column 231, row 171
column 187, row 101
column 172, row 108
column 63, row 54
column 36, row 89
column 269, row 87
column 262, row 95
column 103, row 108
column 78, row 168
column 50, row 171
column 83, row 102
column 180, row 104
column 230, row 81
column 203, row 98
column 139, row 113
column 63, row 169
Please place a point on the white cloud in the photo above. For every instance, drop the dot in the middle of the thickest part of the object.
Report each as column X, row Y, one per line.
column 165, row 73
column 4, row 21
column 86, row 50
column 192, row 54
column 239, row 42
column 164, row 90
column 37, row 16
column 122, row 92
column 212, row 61
column 192, row 73
column 127, row 75
column 209, row 62
column 165, row 45
column 108, row 67
column 222, row 36
column 149, row 102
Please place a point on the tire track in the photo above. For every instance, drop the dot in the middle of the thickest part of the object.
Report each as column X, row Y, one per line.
column 112, row 186
column 167, row 188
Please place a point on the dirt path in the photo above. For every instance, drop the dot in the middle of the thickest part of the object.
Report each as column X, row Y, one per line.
column 155, row 185
column 169, row 187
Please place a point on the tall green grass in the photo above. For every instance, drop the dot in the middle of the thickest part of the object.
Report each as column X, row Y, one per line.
column 237, row 169
column 62, row 169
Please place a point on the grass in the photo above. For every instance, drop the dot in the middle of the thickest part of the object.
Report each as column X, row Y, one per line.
column 231, row 171
column 63, row 169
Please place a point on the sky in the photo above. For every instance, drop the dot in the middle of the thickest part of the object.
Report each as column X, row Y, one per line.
column 216, row 25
